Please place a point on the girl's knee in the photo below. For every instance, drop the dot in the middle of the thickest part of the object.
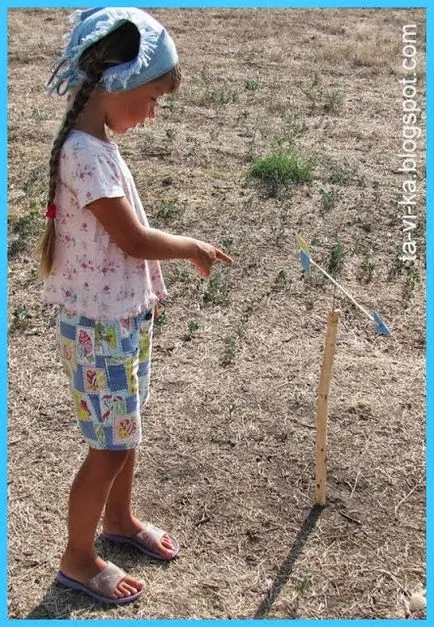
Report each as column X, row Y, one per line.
column 108, row 461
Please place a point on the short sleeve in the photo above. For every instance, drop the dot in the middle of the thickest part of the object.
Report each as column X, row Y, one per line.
column 90, row 172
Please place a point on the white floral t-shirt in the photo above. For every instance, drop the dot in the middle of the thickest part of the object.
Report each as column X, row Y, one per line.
column 91, row 275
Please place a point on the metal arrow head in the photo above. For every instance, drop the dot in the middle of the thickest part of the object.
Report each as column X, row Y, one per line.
column 380, row 327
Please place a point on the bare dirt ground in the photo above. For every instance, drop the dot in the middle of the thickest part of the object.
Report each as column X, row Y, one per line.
column 227, row 463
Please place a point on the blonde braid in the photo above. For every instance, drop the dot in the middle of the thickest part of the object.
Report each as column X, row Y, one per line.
column 47, row 243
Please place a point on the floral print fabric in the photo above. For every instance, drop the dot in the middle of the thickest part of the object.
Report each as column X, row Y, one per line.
column 91, row 275
column 108, row 365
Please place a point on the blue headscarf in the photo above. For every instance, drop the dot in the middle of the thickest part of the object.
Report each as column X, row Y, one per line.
column 157, row 53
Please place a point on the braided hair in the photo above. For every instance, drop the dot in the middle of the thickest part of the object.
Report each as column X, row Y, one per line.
column 119, row 46
column 46, row 246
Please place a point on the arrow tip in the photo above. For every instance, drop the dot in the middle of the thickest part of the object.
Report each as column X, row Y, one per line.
column 380, row 327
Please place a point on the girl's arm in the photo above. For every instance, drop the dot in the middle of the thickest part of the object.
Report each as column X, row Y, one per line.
column 120, row 221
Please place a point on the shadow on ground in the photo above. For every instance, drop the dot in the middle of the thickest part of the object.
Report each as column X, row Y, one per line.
column 55, row 604
column 60, row 602
column 286, row 568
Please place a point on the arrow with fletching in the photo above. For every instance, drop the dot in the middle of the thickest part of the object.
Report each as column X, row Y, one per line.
column 307, row 261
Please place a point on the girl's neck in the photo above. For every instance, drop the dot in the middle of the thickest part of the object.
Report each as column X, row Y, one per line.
column 92, row 119
column 97, row 130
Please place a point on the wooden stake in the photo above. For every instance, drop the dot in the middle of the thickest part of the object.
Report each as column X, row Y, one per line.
column 322, row 407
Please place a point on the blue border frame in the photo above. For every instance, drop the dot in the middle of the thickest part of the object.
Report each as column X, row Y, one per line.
column 3, row 310
column 423, row 4
column 429, row 295
column 233, row 4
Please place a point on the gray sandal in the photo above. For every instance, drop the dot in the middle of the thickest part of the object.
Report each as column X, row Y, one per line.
column 101, row 586
column 150, row 536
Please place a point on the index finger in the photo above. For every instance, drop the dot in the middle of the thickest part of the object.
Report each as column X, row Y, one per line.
column 221, row 256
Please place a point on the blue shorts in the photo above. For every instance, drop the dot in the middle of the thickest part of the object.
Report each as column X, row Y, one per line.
column 108, row 366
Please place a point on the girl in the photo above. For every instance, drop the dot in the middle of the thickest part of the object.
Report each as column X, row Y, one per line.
column 100, row 260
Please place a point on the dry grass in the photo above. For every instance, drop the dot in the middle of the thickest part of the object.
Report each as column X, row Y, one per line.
column 227, row 461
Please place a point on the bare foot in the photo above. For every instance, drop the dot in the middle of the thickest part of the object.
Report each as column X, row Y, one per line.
column 83, row 567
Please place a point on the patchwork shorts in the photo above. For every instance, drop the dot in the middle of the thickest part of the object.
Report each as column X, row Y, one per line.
column 108, row 366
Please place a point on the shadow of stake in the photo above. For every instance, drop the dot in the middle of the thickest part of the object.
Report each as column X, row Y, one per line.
column 286, row 569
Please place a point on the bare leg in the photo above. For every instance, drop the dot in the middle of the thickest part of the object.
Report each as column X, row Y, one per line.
column 118, row 517
column 88, row 495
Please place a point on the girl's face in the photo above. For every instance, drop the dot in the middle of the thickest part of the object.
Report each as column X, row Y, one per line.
column 126, row 110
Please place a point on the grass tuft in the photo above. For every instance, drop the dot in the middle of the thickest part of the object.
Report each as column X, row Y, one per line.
column 279, row 169
column 20, row 318
column 216, row 290
column 336, row 261
column 252, row 84
column 167, row 212
column 367, row 268
column 328, row 199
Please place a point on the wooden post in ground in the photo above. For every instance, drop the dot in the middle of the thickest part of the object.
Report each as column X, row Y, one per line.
column 322, row 407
